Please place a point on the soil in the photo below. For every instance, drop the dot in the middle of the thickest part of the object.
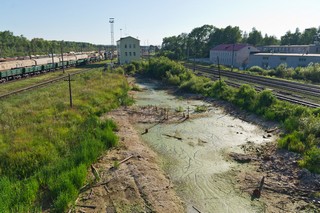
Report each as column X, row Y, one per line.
column 136, row 185
column 284, row 186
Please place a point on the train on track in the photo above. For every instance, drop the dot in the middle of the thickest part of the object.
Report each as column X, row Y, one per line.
column 16, row 69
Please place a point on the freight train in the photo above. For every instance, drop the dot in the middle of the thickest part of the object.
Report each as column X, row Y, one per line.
column 16, row 69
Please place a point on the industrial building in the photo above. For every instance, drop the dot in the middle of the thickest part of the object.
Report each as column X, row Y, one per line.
column 128, row 50
column 303, row 49
column 233, row 55
column 272, row 60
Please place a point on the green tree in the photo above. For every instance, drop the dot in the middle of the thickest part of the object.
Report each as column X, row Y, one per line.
column 255, row 37
column 291, row 38
column 198, row 41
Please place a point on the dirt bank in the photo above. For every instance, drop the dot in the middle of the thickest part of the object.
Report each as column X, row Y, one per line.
column 286, row 187
column 136, row 185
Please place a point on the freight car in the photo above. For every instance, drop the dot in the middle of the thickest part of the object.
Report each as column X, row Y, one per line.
column 16, row 69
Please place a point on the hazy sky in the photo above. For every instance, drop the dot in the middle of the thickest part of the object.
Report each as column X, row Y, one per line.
column 151, row 20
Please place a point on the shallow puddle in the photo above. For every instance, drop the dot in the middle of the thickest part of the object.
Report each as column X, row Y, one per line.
column 195, row 158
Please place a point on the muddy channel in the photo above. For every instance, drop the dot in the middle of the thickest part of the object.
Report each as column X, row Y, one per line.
column 195, row 152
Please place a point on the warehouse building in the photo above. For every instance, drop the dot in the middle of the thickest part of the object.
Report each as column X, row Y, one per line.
column 128, row 50
column 303, row 49
column 233, row 55
column 272, row 60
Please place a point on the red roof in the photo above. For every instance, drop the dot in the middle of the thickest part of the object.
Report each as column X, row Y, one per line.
column 229, row 47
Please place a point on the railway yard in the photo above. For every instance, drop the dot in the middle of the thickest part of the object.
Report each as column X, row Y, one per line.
column 293, row 92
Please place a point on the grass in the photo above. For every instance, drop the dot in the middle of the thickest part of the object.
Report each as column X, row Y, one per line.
column 46, row 146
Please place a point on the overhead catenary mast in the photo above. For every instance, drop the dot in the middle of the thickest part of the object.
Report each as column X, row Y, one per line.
column 111, row 21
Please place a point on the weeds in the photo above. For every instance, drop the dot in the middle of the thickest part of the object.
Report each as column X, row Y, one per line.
column 46, row 147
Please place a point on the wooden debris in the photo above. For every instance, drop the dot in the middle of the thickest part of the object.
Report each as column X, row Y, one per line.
column 196, row 209
column 103, row 183
column 87, row 206
column 172, row 136
column 124, row 160
column 95, row 172
column 271, row 130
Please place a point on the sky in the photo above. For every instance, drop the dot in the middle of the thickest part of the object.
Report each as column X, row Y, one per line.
column 151, row 20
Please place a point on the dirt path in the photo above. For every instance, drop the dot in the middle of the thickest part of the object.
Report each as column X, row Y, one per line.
column 136, row 185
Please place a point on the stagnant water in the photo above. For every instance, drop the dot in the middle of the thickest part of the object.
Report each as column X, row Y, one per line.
column 197, row 164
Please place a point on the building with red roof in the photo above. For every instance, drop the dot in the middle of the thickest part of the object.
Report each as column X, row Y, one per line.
column 233, row 55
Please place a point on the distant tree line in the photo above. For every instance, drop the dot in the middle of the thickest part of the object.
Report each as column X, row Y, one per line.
column 200, row 40
column 11, row 45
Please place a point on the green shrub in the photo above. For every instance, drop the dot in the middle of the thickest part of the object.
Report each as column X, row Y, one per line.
column 292, row 123
column 292, row 142
column 265, row 99
column 311, row 160
column 246, row 97
column 256, row 69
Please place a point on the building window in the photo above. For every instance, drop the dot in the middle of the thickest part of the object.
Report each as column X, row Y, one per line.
column 134, row 45
column 125, row 46
column 130, row 53
column 283, row 58
column 265, row 58
column 129, row 45
column 302, row 59
column 126, row 53
column 134, row 53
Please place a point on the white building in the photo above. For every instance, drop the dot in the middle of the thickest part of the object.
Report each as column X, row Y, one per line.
column 234, row 55
column 128, row 49
column 303, row 49
column 272, row 60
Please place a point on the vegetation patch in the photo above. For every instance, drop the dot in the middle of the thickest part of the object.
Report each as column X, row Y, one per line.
column 46, row 146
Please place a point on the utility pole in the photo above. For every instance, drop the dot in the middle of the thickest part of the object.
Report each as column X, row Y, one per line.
column 70, row 92
column 232, row 57
column 219, row 73
column 62, row 56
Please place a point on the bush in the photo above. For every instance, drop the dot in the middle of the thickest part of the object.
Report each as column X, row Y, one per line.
column 311, row 160
column 292, row 142
column 265, row 99
column 256, row 69
column 246, row 97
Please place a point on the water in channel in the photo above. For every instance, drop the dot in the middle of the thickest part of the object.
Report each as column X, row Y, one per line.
column 197, row 164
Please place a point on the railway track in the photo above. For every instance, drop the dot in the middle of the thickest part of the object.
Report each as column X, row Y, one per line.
column 310, row 90
column 41, row 84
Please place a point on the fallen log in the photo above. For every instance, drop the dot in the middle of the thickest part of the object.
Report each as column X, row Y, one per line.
column 124, row 160
column 86, row 206
column 196, row 209
column 172, row 136
column 271, row 130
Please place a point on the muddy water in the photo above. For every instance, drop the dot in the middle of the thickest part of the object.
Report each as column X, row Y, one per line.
column 197, row 164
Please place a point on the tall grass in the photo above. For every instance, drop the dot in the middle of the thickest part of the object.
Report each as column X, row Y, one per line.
column 46, row 146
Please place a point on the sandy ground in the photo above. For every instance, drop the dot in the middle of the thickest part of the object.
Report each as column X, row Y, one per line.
column 136, row 185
